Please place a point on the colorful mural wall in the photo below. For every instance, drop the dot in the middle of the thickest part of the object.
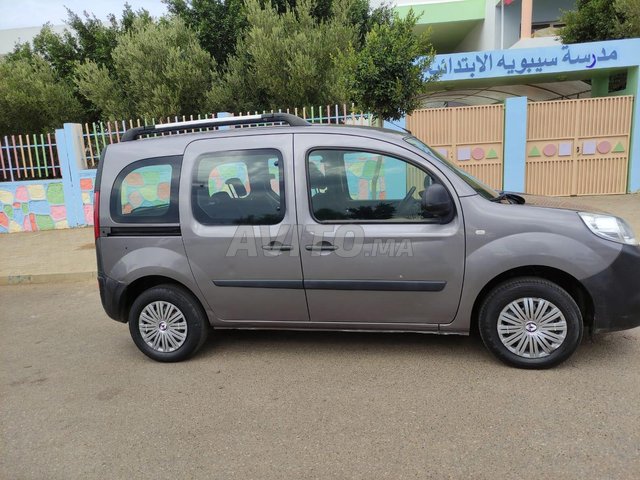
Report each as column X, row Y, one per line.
column 87, row 179
column 30, row 206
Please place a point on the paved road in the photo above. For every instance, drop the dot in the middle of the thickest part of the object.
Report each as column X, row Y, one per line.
column 78, row 401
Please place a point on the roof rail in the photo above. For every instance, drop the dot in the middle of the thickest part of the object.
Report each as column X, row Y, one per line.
column 292, row 120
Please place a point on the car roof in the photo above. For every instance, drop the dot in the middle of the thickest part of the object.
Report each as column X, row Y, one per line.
column 175, row 144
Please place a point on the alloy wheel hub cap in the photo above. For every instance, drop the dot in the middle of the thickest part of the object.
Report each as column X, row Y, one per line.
column 532, row 327
column 162, row 326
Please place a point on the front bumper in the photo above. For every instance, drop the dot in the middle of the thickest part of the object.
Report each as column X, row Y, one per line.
column 112, row 297
column 616, row 293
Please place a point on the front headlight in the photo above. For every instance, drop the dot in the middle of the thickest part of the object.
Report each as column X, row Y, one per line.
column 609, row 227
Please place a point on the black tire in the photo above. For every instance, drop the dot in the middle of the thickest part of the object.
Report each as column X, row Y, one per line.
column 197, row 325
column 535, row 288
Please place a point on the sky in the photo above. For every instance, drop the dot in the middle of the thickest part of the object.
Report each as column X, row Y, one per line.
column 35, row 13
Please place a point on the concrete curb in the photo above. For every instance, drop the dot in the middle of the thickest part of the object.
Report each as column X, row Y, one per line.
column 47, row 278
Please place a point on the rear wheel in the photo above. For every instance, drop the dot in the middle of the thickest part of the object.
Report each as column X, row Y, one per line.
column 530, row 323
column 167, row 323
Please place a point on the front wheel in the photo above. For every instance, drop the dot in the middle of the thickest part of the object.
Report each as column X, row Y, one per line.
column 530, row 323
column 167, row 323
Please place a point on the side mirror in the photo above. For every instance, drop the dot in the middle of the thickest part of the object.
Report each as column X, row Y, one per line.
column 436, row 201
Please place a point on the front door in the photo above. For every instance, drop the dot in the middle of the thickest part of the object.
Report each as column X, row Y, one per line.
column 370, row 254
column 237, row 215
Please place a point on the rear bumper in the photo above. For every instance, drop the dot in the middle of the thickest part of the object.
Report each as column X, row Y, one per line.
column 112, row 297
column 616, row 293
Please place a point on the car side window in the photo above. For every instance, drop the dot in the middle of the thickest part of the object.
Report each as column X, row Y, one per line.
column 147, row 192
column 231, row 178
column 240, row 187
column 361, row 186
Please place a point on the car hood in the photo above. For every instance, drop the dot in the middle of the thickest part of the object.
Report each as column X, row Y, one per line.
column 555, row 202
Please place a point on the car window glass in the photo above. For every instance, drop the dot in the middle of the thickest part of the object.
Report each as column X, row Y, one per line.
column 274, row 175
column 239, row 187
column 146, row 192
column 482, row 189
column 230, row 177
column 348, row 186
column 372, row 176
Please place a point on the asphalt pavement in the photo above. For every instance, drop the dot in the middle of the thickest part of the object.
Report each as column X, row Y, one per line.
column 79, row 401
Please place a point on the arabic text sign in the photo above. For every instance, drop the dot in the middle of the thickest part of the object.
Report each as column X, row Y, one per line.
column 561, row 58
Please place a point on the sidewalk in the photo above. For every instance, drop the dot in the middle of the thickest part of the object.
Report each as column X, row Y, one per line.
column 48, row 256
column 69, row 255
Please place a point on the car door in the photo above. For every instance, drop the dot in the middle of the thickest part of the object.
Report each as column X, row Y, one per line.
column 237, row 215
column 370, row 255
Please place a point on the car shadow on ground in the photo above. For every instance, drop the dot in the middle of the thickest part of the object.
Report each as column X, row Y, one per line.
column 618, row 347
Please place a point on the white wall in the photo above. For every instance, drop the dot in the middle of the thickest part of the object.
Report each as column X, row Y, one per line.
column 9, row 37
column 486, row 36
column 483, row 36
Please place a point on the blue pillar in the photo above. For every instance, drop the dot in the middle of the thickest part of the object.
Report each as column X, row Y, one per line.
column 77, row 161
column 67, row 183
column 633, row 83
column 515, row 144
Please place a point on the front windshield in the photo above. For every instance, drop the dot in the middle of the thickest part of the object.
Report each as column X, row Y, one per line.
column 482, row 189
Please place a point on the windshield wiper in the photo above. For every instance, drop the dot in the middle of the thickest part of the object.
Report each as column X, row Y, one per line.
column 509, row 197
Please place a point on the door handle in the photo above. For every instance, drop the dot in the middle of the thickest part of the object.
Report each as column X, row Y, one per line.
column 323, row 246
column 277, row 247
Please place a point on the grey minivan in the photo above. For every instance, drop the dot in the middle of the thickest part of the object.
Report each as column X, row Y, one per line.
column 294, row 226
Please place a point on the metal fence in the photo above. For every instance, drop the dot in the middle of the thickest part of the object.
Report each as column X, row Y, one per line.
column 579, row 147
column 35, row 156
column 28, row 157
column 98, row 135
column 472, row 137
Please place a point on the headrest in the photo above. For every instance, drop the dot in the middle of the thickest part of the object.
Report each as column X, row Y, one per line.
column 316, row 177
column 238, row 187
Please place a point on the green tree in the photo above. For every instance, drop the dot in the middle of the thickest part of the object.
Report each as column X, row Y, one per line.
column 159, row 69
column 86, row 38
column 217, row 23
column 221, row 24
column 32, row 99
column 388, row 74
column 288, row 59
column 596, row 20
column 630, row 11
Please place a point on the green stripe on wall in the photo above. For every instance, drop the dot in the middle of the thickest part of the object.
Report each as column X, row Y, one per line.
column 451, row 11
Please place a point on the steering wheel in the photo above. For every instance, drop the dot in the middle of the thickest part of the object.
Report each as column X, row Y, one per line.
column 404, row 203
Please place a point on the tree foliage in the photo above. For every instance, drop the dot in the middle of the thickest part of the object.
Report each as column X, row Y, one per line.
column 213, row 55
column 287, row 59
column 596, row 20
column 217, row 23
column 220, row 24
column 87, row 38
column 159, row 69
column 388, row 74
column 630, row 10
column 32, row 99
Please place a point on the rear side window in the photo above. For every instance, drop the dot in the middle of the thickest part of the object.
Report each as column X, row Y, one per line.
column 240, row 187
column 147, row 192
